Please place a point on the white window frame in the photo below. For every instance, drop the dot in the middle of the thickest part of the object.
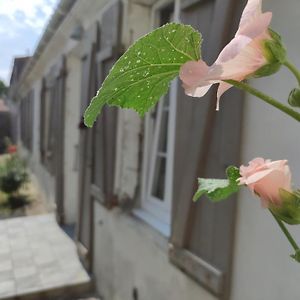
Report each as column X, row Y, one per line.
column 154, row 211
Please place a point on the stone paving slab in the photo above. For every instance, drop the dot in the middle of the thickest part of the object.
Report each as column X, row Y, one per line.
column 37, row 256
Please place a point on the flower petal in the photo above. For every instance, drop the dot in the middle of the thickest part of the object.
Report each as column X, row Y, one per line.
column 196, row 91
column 246, row 62
column 258, row 26
column 232, row 49
column 257, row 176
column 268, row 187
column 252, row 10
column 193, row 72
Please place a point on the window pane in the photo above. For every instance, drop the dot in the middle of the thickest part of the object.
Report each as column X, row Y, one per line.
column 163, row 134
column 158, row 188
column 167, row 100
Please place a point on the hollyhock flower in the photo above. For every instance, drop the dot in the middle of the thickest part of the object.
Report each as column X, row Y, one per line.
column 246, row 54
column 267, row 179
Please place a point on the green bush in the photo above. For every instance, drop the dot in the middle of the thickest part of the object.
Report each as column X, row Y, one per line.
column 14, row 201
column 13, row 174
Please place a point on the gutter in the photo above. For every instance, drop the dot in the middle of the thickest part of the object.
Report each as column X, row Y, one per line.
column 56, row 20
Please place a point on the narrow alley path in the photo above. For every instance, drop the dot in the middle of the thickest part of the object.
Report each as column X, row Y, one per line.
column 38, row 260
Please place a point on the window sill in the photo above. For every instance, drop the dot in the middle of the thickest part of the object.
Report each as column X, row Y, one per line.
column 161, row 227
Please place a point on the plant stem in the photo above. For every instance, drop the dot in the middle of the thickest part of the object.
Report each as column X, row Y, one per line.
column 286, row 232
column 266, row 98
column 293, row 69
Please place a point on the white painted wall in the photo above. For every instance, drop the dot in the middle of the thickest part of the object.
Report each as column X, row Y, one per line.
column 263, row 269
column 72, row 118
column 129, row 254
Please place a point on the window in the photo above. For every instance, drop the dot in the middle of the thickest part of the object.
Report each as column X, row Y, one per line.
column 158, row 150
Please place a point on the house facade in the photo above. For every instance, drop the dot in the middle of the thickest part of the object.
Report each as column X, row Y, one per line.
column 128, row 182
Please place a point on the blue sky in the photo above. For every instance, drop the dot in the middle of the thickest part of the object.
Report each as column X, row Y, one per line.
column 21, row 24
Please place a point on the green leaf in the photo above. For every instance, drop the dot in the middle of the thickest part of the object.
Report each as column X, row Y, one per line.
column 219, row 189
column 294, row 98
column 289, row 210
column 276, row 47
column 143, row 73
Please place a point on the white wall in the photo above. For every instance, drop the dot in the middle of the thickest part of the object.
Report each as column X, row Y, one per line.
column 129, row 254
column 263, row 269
column 72, row 118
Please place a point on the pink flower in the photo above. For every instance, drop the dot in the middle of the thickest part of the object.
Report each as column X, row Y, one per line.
column 265, row 178
column 242, row 57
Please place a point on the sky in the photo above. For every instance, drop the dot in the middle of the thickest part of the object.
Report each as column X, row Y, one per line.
column 22, row 23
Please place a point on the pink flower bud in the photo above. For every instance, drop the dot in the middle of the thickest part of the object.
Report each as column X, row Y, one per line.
column 265, row 178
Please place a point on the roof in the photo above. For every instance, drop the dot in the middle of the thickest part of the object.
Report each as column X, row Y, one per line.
column 57, row 18
column 18, row 66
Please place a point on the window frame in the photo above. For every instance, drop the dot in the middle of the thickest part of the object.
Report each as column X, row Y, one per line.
column 154, row 211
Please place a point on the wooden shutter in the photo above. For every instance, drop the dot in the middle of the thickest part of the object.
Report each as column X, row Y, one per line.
column 42, row 121
column 45, row 120
column 97, row 145
column 105, row 131
column 5, row 129
column 88, row 90
column 206, row 143
column 26, row 115
column 21, row 120
column 52, row 120
column 30, row 119
column 59, row 136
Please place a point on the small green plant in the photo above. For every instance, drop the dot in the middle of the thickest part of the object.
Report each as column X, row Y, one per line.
column 13, row 175
column 16, row 201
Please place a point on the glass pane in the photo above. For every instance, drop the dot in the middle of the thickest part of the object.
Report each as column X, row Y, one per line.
column 163, row 133
column 158, row 188
column 167, row 100
column 98, row 154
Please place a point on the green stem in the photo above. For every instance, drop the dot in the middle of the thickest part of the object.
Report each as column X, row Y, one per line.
column 266, row 98
column 293, row 69
column 286, row 232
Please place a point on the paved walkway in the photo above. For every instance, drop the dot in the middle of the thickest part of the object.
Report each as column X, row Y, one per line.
column 36, row 256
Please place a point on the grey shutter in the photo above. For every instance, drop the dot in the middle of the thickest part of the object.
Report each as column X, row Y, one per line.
column 59, row 137
column 206, row 143
column 88, row 90
column 47, row 111
column 21, row 107
column 31, row 120
column 104, row 135
column 97, row 145
column 5, row 129
column 27, row 120
column 42, row 120
column 52, row 122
